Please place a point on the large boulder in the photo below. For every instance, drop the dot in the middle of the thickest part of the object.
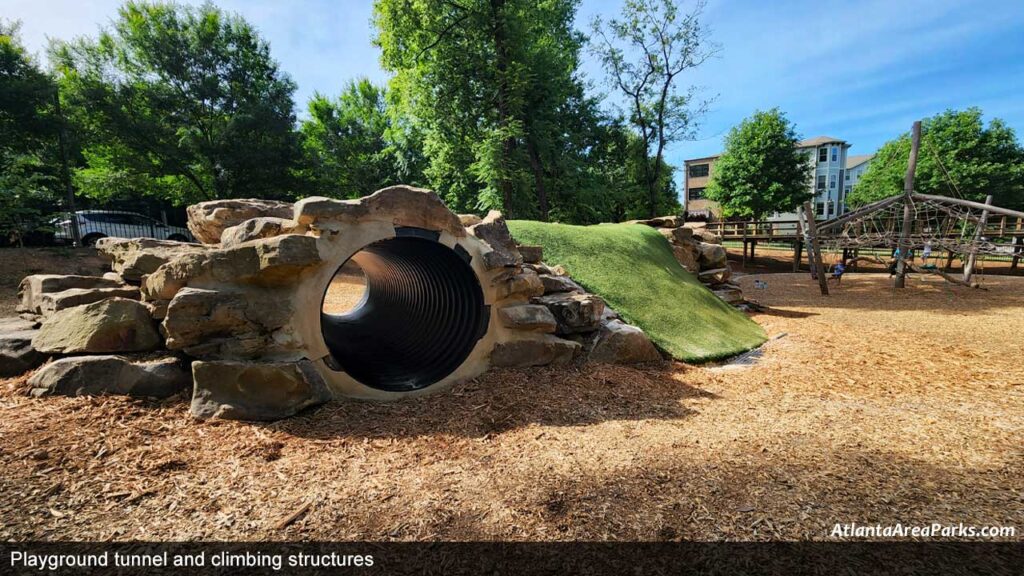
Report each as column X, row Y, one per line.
column 532, row 317
column 17, row 355
column 256, row 228
column 712, row 256
column 701, row 232
column 621, row 343
column 53, row 301
column 270, row 261
column 208, row 220
column 111, row 325
column 90, row 375
column 494, row 232
column 687, row 256
column 575, row 313
column 255, row 391
column 228, row 324
column 33, row 287
column 134, row 258
column 542, row 350
column 398, row 205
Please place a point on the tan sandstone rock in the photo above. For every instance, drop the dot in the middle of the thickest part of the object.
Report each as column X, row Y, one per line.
column 255, row 391
column 399, row 205
column 240, row 323
column 621, row 343
column 256, row 228
column 494, row 232
column 54, row 301
column 208, row 220
column 532, row 317
column 575, row 313
column 32, row 288
column 134, row 258
column 89, row 375
column 111, row 325
column 542, row 350
column 712, row 256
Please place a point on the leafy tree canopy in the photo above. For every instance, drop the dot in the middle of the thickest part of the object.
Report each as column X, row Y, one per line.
column 180, row 102
column 351, row 145
column 28, row 129
column 761, row 170
column 645, row 53
column 959, row 156
column 490, row 86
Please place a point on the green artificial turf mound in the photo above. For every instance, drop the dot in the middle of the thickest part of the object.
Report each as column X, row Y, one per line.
column 632, row 268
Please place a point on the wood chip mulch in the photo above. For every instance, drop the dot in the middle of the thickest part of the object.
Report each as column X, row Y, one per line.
column 877, row 407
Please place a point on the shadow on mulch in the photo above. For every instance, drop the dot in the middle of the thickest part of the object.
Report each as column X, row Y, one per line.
column 503, row 400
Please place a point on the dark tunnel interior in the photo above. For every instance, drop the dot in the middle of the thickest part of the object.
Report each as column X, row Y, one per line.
column 422, row 313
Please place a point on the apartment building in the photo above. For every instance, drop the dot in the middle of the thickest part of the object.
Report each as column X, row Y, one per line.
column 827, row 160
column 856, row 165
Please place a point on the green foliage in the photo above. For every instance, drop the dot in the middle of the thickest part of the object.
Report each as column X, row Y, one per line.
column 959, row 156
column 180, row 102
column 491, row 91
column 645, row 53
column 353, row 146
column 761, row 170
column 633, row 269
column 28, row 129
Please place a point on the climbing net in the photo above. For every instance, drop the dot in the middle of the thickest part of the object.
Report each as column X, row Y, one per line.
column 936, row 222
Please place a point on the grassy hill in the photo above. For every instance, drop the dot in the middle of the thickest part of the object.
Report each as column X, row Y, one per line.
column 632, row 268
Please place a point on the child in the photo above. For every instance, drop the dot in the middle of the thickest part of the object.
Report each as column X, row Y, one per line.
column 837, row 270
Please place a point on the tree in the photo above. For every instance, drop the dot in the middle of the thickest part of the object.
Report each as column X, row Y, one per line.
column 28, row 130
column 491, row 88
column 644, row 54
column 761, row 171
column 180, row 102
column 349, row 145
column 959, row 156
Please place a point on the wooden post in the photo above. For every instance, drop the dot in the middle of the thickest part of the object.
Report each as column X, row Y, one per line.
column 744, row 244
column 949, row 261
column 1018, row 241
column 972, row 258
column 815, row 253
column 908, row 189
column 797, row 249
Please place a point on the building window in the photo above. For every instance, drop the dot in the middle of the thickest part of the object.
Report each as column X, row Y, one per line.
column 696, row 193
column 822, row 154
column 821, row 181
column 835, row 153
column 831, row 208
column 699, row 170
column 832, row 181
column 846, row 191
column 820, row 208
column 847, row 176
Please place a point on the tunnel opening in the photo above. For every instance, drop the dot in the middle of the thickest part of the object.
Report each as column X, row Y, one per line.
column 420, row 315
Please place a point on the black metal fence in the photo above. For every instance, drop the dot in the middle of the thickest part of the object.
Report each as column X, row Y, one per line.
column 51, row 224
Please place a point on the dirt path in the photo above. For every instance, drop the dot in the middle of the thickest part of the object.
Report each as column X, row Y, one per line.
column 876, row 407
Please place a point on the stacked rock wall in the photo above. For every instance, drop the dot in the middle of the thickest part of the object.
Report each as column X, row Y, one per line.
column 240, row 315
column 700, row 251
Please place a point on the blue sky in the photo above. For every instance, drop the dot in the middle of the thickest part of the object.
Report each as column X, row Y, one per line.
column 861, row 71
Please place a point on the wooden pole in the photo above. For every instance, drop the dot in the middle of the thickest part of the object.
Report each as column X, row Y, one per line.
column 797, row 246
column 815, row 253
column 972, row 258
column 1016, row 252
column 908, row 190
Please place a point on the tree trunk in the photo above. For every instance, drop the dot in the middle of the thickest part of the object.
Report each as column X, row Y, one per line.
column 504, row 113
column 538, row 178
